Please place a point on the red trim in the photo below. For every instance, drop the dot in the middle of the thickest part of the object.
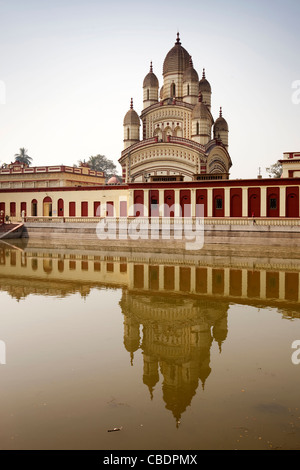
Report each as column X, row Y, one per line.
column 273, row 193
column 254, row 202
column 201, row 199
column 218, row 193
column 84, row 208
column 236, row 205
column 58, row 189
column 138, row 200
column 267, row 182
column 292, row 202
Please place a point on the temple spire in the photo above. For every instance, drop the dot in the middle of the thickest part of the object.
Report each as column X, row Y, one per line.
column 151, row 67
column 178, row 39
column 203, row 73
column 131, row 103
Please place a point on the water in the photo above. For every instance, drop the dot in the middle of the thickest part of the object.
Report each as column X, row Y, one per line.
column 176, row 352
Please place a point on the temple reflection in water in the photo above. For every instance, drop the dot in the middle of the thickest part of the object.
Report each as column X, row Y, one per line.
column 174, row 307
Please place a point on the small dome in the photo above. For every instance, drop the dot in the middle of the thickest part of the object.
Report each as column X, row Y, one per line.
column 204, row 85
column 150, row 81
column 221, row 123
column 200, row 111
column 113, row 180
column 190, row 75
column 177, row 59
column 131, row 117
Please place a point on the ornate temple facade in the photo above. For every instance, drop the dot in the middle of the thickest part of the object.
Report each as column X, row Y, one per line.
column 176, row 137
column 175, row 160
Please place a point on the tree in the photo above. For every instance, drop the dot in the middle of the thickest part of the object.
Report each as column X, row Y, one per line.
column 275, row 170
column 22, row 157
column 101, row 163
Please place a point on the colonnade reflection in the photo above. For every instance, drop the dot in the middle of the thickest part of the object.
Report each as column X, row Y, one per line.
column 174, row 308
column 200, row 277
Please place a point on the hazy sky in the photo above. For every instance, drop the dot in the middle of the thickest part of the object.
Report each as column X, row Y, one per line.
column 69, row 68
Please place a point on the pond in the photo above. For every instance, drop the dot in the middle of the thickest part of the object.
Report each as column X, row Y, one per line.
column 111, row 349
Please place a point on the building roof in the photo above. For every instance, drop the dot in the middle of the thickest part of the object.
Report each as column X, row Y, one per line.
column 151, row 79
column 204, row 85
column 200, row 110
column 190, row 74
column 131, row 117
column 221, row 123
column 177, row 59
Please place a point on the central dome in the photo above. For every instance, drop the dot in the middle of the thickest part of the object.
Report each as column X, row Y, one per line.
column 177, row 59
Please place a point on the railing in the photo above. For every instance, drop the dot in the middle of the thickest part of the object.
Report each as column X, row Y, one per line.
column 18, row 169
column 169, row 139
column 236, row 221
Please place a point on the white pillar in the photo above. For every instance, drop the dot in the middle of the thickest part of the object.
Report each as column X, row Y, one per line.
column 245, row 202
column 77, row 208
column 244, row 283
column 209, row 202
column 146, row 276
column 130, row 201
column 177, row 203
column 281, row 285
column 130, row 274
column 209, row 280
column 161, row 277
column 282, row 199
column 263, row 291
column 176, row 280
column 161, row 202
column 193, row 202
column 193, row 279
column 226, row 282
column 263, row 202
column 227, row 202
column 146, row 202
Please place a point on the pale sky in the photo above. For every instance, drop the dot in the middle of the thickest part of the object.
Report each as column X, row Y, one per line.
column 69, row 68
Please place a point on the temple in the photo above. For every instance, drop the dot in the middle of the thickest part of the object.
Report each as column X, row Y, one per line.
column 175, row 159
column 180, row 139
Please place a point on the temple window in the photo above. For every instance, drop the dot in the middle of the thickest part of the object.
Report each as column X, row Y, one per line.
column 219, row 203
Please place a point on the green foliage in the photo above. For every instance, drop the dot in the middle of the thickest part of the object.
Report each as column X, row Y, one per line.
column 275, row 170
column 22, row 157
column 101, row 163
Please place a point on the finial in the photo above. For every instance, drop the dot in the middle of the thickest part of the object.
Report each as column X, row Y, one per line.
column 203, row 73
column 221, row 111
column 178, row 39
column 151, row 68
column 131, row 103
